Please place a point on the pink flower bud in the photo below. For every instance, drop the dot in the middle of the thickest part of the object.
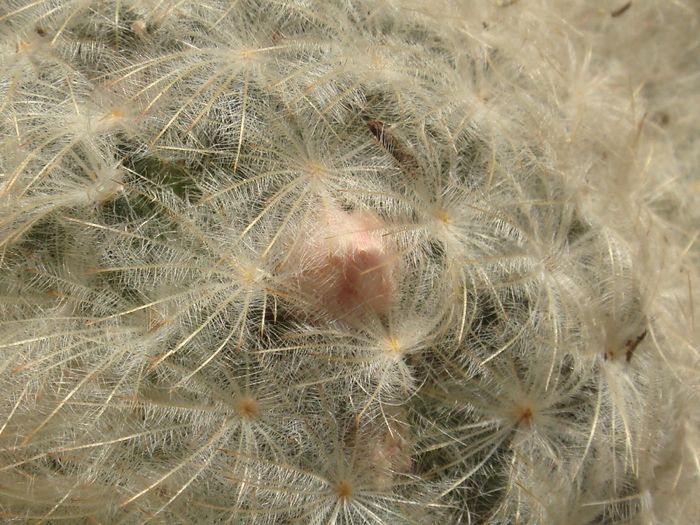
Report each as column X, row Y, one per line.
column 343, row 266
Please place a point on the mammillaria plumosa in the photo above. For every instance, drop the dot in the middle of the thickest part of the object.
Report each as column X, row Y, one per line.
column 349, row 261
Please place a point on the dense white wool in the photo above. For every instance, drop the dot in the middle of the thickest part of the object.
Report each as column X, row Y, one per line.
column 349, row 261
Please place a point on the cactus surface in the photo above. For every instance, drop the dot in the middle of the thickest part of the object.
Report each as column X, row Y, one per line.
column 349, row 262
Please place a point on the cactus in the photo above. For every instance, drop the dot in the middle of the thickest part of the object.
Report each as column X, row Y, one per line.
column 349, row 262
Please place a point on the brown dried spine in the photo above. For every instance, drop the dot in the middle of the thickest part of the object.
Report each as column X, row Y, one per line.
column 406, row 160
